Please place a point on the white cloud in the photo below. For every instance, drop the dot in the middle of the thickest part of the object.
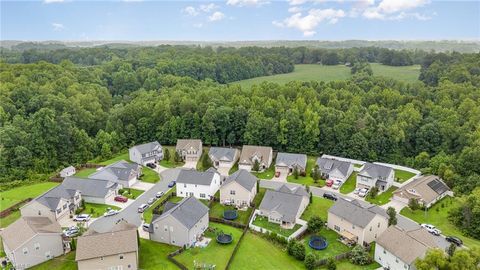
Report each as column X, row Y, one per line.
column 198, row 25
column 295, row 9
column 392, row 6
column 244, row 3
column 52, row 1
column 208, row 8
column 395, row 10
column 191, row 11
column 58, row 27
column 216, row 16
column 309, row 22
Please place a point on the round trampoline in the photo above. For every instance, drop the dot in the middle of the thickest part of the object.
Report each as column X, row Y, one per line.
column 318, row 242
column 224, row 238
column 230, row 214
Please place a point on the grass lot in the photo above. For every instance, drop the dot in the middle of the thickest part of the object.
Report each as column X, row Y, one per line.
column 147, row 215
column 5, row 221
column 84, row 173
column 216, row 210
column 347, row 265
column 65, row 262
column 153, row 256
column 267, row 174
column 273, row 227
column 407, row 74
column 170, row 163
column 257, row 252
column 334, row 247
column 121, row 156
column 199, row 163
column 382, row 198
column 18, row 194
column 233, row 169
column 149, row 175
column 350, row 184
column 98, row 209
column 318, row 207
column 402, row 176
column 307, row 180
column 214, row 253
column 440, row 219
column 133, row 193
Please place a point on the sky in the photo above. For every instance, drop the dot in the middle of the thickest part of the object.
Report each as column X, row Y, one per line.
column 233, row 20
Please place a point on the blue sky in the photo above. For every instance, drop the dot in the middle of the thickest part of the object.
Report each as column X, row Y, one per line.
column 240, row 20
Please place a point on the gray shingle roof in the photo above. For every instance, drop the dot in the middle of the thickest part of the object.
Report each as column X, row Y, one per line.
column 285, row 201
column 353, row 212
column 52, row 197
column 376, row 170
column 147, row 147
column 196, row 177
column 25, row 228
column 120, row 170
column 222, row 153
column 188, row 211
column 248, row 151
column 244, row 178
column 326, row 165
column 289, row 159
column 90, row 187
column 185, row 144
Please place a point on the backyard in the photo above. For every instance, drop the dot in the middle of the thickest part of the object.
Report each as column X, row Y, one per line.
column 18, row 194
column 149, row 175
column 5, row 221
column 153, row 256
column 334, row 247
column 383, row 197
column 84, row 173
column 263, row 222
column 318, row 207
column 216, row 210
column 350, row 184
column 307, row 179
column 65, row 262
column 120, row 156
column 402, row 176
column 97, row 210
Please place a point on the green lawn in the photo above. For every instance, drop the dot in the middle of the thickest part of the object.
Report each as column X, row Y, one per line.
column 233, row 169
column 149, row 175
column 121, row 156
column 406, row 73
column 98, row 209
column 350, row 184
column 132, row 193
column 170, row 163
column 347, row 265
column 382, row 198
column 65, row 262
column 273, row 227
column 318, row 207
column 402, row 176
column 199, row 163
column 5, row 221
column 18, row 194
column 307, row 180
column 84, row 173
column 215, row 253
column 147, row 215
column 267, row 174
column 216, row 210
column 334, row 247
column 153, row 256
column 440, row 219
column 259, row 253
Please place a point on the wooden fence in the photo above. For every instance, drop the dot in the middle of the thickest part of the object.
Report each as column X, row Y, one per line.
column 14, row 207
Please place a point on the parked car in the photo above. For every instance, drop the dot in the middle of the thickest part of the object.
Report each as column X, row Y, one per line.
column 431, row 229
column 330, row 196
column 151, row 165
column 329, row 182
column 145, row 226
column 120, row 198
column 110, row 212
column 142, row 208
column 337, row 184
column 72, row 231
column 452, row 239
column 151, row 200
column 363, row 192
column 159, row 194
column 171, row 184
column 82, row 218
column 356, row 191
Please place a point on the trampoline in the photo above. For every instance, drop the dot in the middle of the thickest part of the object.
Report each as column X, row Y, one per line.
column 230, row 214
column 318, row 242
column 224, row 238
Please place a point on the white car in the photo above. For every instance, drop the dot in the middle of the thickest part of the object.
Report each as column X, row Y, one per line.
column 142, row 208
column 110, row 212
column 356, row 191
column 363, row 192
column 337, row 184
column 151, row 200
column 72, row 231
column 159, row 194
column 82, row 218
column 431, row 229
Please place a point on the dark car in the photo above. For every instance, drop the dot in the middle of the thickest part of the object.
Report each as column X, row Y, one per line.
column 329, row 196
column 455, row 240
column 171, row 184
column 151, row 165
column 120, row 199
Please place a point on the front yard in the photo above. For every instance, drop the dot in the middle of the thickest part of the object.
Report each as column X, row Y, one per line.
column 318, row 207
column 267, row 174
column 402, row 176
column 170, row 163
column 96, row 209
column 131, row 193
column 307, row 179
column 350, row 184
column 273, row 227
column 383, row 197
column 149, row 175
column 147, row 215
column 153, row 256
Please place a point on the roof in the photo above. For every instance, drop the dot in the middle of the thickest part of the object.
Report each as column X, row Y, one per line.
column 22, row 230
column 121, row 239
column 248, row 151
column 52, row 197
column 195, row 177
column 375, row 170
column 395, row 240
column 188, row 211
column 327, row 165
column 147, row 147
column 89, row 186
column 284, row 201
column 222, row 153
column 353, row 212
column 120, row 170
column 428, row 188
column 243, row 178
column 188, row 144
column 289, row 160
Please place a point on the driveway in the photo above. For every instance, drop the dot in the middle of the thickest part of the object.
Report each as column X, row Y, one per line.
column 68, row 222
column 395, row 204
column 143, row 185
column 190, row 164
column 223, row 170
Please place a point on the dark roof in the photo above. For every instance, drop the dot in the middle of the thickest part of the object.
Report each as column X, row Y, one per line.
column 120, row 170
column 147, row 147
column 222, row 153
column 188, row 211
column 244, row 178
column 289, row 159
column 326, row 165
column 353, row 212
column 375, row 170
column 285, row 201
column 52, row 197
column 196, row 177
column 90, row 187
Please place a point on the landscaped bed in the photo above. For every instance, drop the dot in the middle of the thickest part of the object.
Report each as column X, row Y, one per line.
column 383, row 197
column 263, row 222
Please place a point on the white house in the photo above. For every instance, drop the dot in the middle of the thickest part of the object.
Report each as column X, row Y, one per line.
column 68, row 171
column 201, row 185
column 371, row 175
column 142, row 154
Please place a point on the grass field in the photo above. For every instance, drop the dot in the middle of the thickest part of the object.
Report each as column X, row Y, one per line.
column 18, row 194
column 383, row 197
column 267, row 174
column 307, row 180
column 318, row 207
column 334, row 247
column 273, row 227
column 217, row 209
column 438, row 216
column 65, row 262
column 153, row 256
column 97, row 210
column 407, row 73
column 350, row 184
column 149, row 175
column 121, row 156
column 403, row 176
column 84, row 173
column 256, row 252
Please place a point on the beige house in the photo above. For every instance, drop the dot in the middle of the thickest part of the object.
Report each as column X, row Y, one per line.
column 427, row 190
column 239, row 189
column 355, row 223
column 32, row 240
column 189, row 150
column 252, row 153
column 116, row 249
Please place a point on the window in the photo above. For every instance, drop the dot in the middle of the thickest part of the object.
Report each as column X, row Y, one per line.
column 165, row 228
column 64, row 206
column 25, row 250
column 370, row 228
column 336, row 228
column 396, row 260
column 47, row 255
column 232, row 192
column 59, row 210
column 121, row 257
column 37, row 246
column 378, row 226
column 202, row 195
column 184, row 185
column 195, row 185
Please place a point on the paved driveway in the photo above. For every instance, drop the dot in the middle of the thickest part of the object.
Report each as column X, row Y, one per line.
column 223, row 170
column 142, row 185
column 190, row 164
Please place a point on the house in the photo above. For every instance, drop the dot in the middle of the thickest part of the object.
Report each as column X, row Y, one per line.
column 239, row 189
column 398, row 249
column 189, row 150
column 93, row 190
column 181, row 224
column 427, row 190
column 32, row 240
column 68, row 171
column 371, row 175
column 334, row 169
column 142, row 154
column 251, row 154
column 201, row 185
column 356, row 223
column 284, row 205
column 57, row 203
column 116, row 249
column 286, row 163
column 223, row 157
column 121, row 172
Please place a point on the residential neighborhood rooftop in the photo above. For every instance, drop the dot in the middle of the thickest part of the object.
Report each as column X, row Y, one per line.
column 375, row 170
column 291, row 159
column 188, row 211
column 52, row 197
column 353, row 212
column 89, row 186
column 243, row 178
column 195, row 177
column 285, row 201
column 427, row 188
column 120, row 170
column 222, row 153
column 147, row 147
column 195, row 144
column 328, row 165
column 249, row 151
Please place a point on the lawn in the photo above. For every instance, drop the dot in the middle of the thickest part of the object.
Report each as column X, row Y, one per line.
column 97, row 210
column 215, row 253
column 383, row 197
column 402, row 176
column 233, row 169
column 307, row 180
column 149, row 175
column 403, row 73
column 170, row 163
column 257, row 252
column 267, row 174
column 334, row 247
column 347, row 265
column 5, row 221
column 216, row 210
column 350, row 184
column 153, row 256
column 18, row 194
column 199, row 163
column 121, row 156
column 84, row 173
column 438, row 216
column 147, row 215
column 273, row 227
column 65, row 262
column 318, row 207
column 131, row 193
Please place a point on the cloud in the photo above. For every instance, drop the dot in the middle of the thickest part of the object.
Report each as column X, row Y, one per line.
column 191, row 11
column 198, row 25
column 295, row 9
column 208, row 8
column 392, row 6
column 52, row 1
column 395, row 10
column 244, row 3
column 309, row 22
column 216, row 16
column 58, row 27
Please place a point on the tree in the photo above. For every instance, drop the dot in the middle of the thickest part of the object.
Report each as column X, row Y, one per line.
column 360, row 256
column 451, row 249
column 331, row 264
column 413, row 204
column 296, row 249
column 392, row 216
column 295, row 173
column 314, row 224
column 166, row 154
column 316, row 174
column 373, row 192
column 461, row 259
column 206, row 162
column 256, row 166
column 466, row 215
column 177, row 158
column 310, row 261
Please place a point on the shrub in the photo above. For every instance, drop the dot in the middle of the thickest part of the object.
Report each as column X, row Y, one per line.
column 373, row 192
column 413, row 204
column 296, row 249
column 310, row 261
column 360, row 256
column 315, row 224
column 331, row 264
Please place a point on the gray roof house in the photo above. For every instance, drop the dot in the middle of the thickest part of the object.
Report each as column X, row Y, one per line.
column 122, row 172
column 93, row 190
column 427, row 190
column 287, row 162
column 201, row 185
column 253, row 153
column 284, row 205
column 334, row 169
column 32, row 240
column 180, row 224
column 371, row 175
column 239, row 189
column 68, row 171
column 142, row 154
column 189, row 149
column 223, row 157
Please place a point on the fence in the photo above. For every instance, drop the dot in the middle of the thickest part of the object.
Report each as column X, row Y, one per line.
column 227, row 222
column 157, row 210
column 294, row 235
column 177, row 263
column 338, row 257
column 12, row 208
